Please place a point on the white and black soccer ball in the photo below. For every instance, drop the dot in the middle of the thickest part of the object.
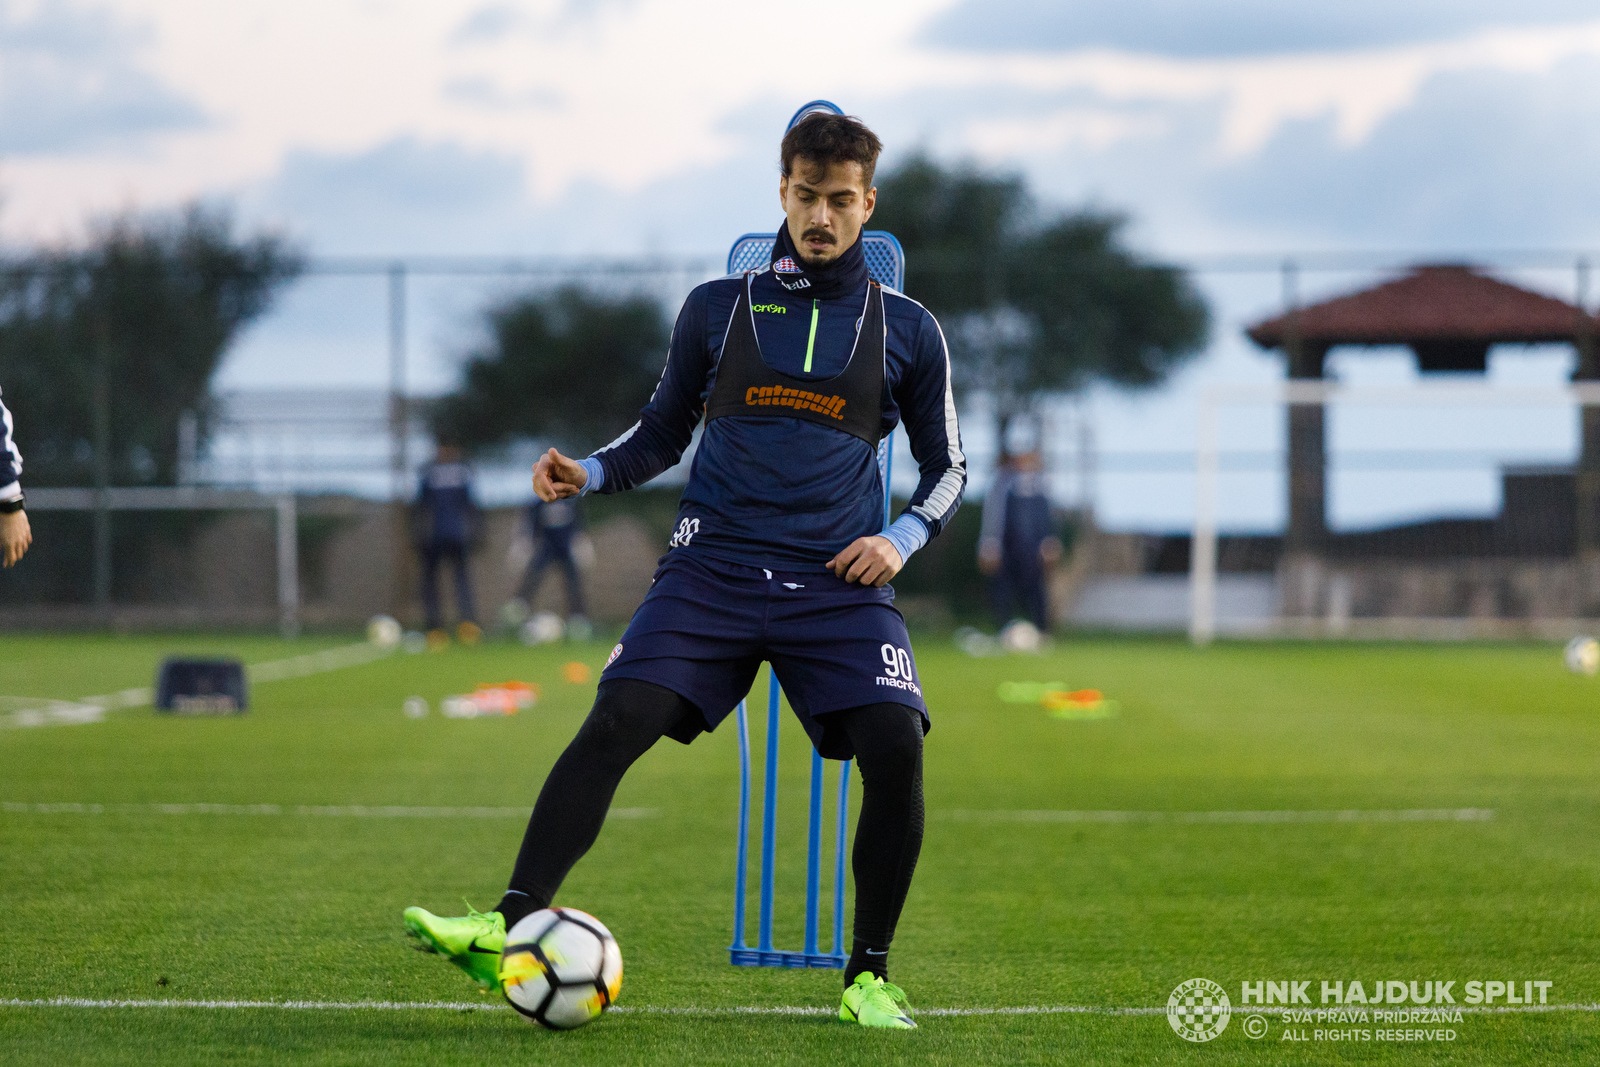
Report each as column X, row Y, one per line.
column 561, row 968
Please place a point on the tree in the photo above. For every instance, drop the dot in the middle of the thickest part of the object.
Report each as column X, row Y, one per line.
column 103, row 350
column 1032, row 303
column 569, row 366
column 140, row 319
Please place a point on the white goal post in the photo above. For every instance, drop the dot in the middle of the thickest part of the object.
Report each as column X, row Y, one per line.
column 1203, row 614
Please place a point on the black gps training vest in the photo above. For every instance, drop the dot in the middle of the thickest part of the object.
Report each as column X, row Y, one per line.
column 851, row 401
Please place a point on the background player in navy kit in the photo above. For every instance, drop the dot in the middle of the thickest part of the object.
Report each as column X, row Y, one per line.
column 556, row 527
column 1018, row 543
column 446, row 525
column 799, row 369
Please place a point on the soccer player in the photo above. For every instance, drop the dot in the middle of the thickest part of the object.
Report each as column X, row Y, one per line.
column 800, row 368
column 446, row 523
column 15, row 534
column 557, row 529
column 1018, row 543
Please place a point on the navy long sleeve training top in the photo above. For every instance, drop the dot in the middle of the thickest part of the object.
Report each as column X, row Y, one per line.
column 782, row 492
column 447, row 513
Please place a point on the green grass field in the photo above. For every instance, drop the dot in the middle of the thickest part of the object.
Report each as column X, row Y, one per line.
column 131, row 904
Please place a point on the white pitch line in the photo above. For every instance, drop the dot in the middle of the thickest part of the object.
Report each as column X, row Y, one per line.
column 391, row 811
column 396, row 1005
column 287, row 1005
column 51, row 713
column 1315, row 816
column 330, row 659
column 354, row 811
column 1089, row 1009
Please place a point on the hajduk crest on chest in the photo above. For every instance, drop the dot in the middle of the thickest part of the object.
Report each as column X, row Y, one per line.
column 789, row 274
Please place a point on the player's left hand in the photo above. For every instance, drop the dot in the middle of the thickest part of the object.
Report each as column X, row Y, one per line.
column 555, row 477
column 15, row 537
column 868, row 560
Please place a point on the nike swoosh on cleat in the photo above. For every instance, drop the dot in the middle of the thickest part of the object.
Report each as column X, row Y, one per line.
column 474, row 948
column 885, row 952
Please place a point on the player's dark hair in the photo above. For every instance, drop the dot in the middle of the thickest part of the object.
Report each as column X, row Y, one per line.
column 829, row 139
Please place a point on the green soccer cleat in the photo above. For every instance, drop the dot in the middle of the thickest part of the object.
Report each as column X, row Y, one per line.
column 870, row 1001
column 472, row 943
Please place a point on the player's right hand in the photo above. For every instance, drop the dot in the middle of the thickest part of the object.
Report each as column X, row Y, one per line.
column 555, row 476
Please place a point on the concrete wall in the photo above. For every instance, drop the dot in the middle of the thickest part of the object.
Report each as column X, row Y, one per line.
column 1485, row 588
column 1246, row 603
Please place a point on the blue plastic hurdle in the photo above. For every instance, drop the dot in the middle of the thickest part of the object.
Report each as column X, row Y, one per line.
column 765, row 954
column 886, row 263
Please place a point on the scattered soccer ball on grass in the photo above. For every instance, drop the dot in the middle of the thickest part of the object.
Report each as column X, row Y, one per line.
column 975, row 642
column 514, row 612
column 543, row 629
column 383, row 631
column 1583, row 655
column 1021, row 636
column 560, row 968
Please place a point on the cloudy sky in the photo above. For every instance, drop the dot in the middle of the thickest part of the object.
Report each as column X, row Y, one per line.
column 643, row 126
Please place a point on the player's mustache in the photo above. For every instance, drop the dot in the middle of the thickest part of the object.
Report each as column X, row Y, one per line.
column 821, row 235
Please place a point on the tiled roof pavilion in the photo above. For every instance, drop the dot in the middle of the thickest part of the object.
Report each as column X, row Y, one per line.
column 1448, row 313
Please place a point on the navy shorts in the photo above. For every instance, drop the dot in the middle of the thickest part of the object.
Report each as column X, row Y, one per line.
column 705, row 627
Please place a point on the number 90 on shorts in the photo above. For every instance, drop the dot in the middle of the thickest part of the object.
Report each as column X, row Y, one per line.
column 898, row 670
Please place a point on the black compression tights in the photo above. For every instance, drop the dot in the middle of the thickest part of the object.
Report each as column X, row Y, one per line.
column 629, row 716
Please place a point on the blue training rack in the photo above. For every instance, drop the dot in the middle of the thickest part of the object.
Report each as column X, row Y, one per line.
column 886, row 260
column 887, row 264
